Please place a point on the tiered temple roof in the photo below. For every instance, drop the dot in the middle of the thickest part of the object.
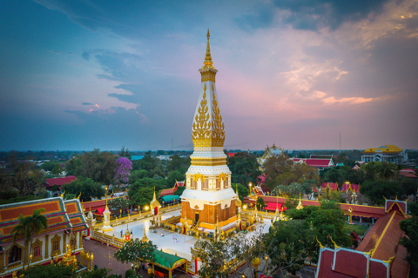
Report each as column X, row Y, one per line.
column 55, row 212
column 378, row 255
column 76, row 215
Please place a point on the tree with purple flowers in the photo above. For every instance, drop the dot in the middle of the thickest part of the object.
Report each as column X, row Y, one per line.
column 123, row 170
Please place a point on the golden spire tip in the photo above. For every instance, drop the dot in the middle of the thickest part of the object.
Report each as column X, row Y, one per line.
column 208, row 34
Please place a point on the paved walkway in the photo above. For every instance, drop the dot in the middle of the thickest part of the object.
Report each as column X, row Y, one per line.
column 101, row 259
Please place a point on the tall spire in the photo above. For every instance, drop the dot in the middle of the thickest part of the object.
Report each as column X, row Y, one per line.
column 208, row 58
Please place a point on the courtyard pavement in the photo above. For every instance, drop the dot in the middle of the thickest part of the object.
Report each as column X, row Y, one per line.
column 101, row 259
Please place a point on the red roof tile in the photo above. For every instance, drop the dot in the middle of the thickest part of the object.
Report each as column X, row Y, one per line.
column 60, row 181
column 165, row 192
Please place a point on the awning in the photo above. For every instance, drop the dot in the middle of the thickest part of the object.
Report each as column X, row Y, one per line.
column 170, row 198
column 100, row 210
column 273, row 206
column 168, row 261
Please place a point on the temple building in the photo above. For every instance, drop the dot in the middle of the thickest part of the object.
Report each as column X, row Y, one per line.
column 269, row 152
column 387, row 153
column 66, row 223
column 208, row 196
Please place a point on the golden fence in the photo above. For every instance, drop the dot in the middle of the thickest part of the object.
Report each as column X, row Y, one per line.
column 135, row 217
column 111, row 240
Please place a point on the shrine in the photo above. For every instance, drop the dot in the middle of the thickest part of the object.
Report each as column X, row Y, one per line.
column 208, row 195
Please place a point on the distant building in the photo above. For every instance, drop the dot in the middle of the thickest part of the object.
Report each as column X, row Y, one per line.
column 59, row 181
column 320, row 163
column 387, row 153
column 164, row 157
column 269, row 152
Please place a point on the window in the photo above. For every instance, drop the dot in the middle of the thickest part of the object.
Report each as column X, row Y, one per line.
column 36, row 251
column 55, row 246
column 218, row 184
column 205, row 184
column 15, row 254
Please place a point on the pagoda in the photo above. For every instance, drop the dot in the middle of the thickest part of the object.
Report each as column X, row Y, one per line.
column 208, row 195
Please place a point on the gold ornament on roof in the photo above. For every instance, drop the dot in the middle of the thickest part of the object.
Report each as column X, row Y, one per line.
column 238, row 202
column 218, row 127
column 154, row 202
column 208, row 58
column 144, row 238
column 208, row 126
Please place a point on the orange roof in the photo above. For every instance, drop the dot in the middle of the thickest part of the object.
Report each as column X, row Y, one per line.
column 169, row 191
column 55, row 213
column 76, row 215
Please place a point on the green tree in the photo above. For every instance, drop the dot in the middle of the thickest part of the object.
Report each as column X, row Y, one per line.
column 26, row 178
column 137, row 175
column 413, row 209
column 175, row 176
column 243, row 191
column 287, row 250
column 280, row 169
column 260, row 203
column 48, row 166
column 117, row 204
column 386, row 171
column 54, row 270
column 244, row 168
column 72, row 165
column 86, row 186
column 57, row 170
column 69, row 196
column 125, row 153
column 409, row 186
column 28, row 227
column 371, row 169
column 377, row 190
column 213, row 254
column 136, row 251
column 410, row 242
column 178, row 163
column 141, row 196
column 328, row 221
column 148, row 162
column 96, row 165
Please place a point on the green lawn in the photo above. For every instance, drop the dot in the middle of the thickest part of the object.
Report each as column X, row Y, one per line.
column 360, row 229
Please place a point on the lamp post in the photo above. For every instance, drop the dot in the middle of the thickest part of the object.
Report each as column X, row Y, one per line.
column 91, row 263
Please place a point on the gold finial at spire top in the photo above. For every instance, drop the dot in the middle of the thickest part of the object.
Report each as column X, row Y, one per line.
column 208, row 58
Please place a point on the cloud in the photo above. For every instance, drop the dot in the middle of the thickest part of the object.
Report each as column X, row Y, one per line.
column 87, row 103
column 314, row 15
column 349, row 100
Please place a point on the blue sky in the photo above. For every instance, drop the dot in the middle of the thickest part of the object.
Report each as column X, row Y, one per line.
column 102, row 74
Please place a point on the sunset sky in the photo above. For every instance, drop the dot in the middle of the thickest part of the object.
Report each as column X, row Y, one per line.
column 78, row 75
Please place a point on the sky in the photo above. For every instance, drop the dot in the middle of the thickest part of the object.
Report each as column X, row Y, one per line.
column 78, row 75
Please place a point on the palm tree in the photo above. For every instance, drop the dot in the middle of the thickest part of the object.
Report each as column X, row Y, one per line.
column 28, row 227
column 386, row 171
